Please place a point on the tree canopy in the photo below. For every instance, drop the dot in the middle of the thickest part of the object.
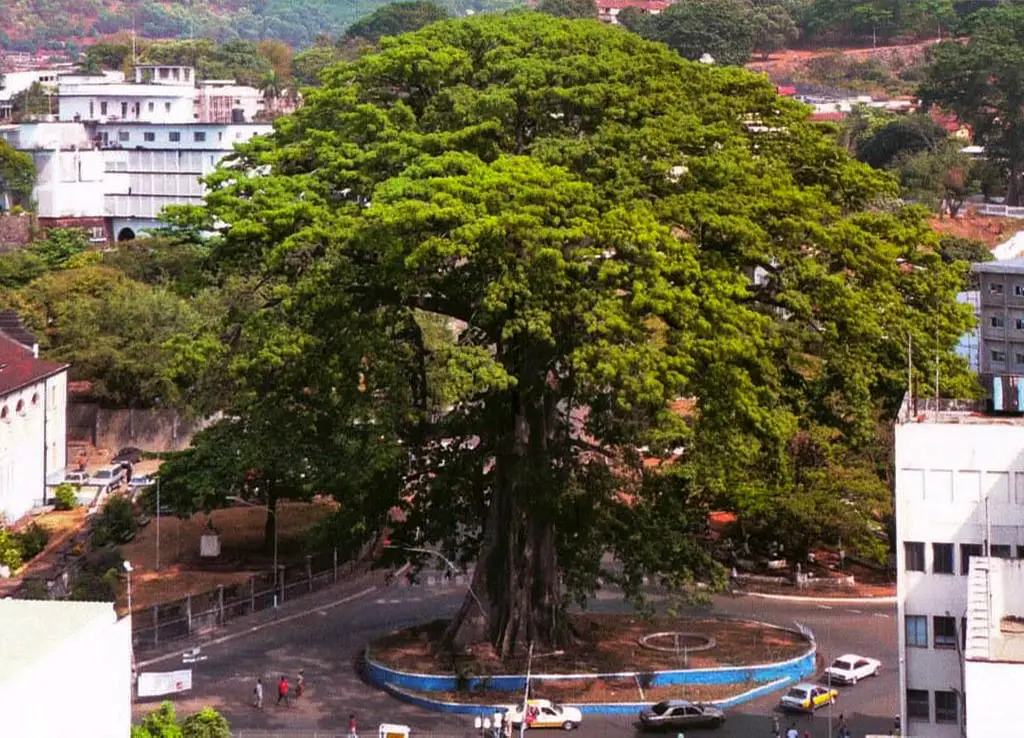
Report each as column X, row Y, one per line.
column 580, row 9
column 395, row 19
column 632, row 255
column 980, row 80
column 724, row 29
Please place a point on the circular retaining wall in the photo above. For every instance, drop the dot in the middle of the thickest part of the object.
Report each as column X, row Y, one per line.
column 793, row 669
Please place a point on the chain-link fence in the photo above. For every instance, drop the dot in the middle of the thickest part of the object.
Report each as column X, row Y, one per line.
column 213, row 609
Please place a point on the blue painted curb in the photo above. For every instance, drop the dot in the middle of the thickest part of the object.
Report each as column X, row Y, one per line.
column 800, row 666
column 599, row 708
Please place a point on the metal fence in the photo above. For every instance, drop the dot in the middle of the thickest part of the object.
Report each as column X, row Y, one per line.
column 212, row 609
column 1001, row 211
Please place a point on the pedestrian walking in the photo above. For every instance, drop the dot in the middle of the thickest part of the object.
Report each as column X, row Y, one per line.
column 792, row 732
column 776, row 728
column 257, row 692
column 300, row 684
column 807, row 734
column 282, row 691
column 352, row 732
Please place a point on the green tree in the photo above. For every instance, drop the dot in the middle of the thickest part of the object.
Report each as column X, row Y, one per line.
column 160, row 723
column 59, row 246
column 941, row 180
column 32, row 103
column 774, row 29
column 589, row 237
column 580, row 9
column 395, row 19
column 880, row 143
column 17, row 175
column 725, row 29
column 980, row 80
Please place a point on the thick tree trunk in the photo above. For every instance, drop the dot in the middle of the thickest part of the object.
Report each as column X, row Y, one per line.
column 515, row 596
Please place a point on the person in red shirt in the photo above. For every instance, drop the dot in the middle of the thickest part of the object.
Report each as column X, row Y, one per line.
column 352, row 726
column 282, row 691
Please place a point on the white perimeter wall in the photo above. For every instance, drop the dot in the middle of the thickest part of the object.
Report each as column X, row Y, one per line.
column 993, row 691
column 81, row 689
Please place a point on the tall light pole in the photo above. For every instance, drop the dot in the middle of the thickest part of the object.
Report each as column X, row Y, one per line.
column 270, row 511
column 158, row 523
column 131, row 635
column 128, row 569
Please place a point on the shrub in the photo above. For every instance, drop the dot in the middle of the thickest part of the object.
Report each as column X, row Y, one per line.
column 10, row 550
column 32, row 541
column 64, row 497
column 33, row 589
column 115, row 524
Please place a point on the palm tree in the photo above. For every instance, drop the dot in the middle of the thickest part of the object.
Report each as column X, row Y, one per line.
column 270, row 86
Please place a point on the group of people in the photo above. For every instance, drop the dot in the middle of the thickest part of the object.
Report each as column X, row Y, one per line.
column 283, row 690
column 794, row 732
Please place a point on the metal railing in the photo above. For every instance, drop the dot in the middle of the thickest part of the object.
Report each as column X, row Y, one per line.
column 1000, row 211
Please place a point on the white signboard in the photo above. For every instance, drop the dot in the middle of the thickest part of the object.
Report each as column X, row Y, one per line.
column 154, row 684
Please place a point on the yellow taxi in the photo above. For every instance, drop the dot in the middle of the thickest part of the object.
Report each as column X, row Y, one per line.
column 808, row 697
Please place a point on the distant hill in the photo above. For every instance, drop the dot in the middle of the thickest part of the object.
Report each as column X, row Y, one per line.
column 30, row 25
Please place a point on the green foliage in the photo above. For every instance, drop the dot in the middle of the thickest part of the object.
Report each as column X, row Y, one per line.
column 583, row 209
column 207, row 723
column 979, row 80
column 32, row 541
column 725, row 29
column 17, row 174
column 163, row 723
column 98, row 578
column 60, row 246
column 32, row 103
column 116, row 523
column 64, row 497
column 857, row 21
column 10, row 549
column 940, row 179
column 578, row 9
column 881, row 143
column 395, row 19
column 774, row 29
column 955, row 248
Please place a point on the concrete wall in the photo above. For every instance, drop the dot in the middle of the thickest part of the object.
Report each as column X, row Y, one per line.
column 992, row 693
column 945, row 472
column 81, row 688
column 150, row 430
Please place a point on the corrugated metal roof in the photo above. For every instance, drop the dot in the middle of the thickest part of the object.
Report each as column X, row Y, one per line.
column 31, row 629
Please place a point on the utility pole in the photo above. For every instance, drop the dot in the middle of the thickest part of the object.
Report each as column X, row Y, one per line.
column 158, row 523
column 526, row 690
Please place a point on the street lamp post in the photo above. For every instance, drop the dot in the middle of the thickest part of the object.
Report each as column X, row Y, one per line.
column 128, row 569
column 158, row 523
column 449, row 565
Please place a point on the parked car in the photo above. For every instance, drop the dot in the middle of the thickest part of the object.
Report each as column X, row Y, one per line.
column 672, row 714
column 77, row 478
column 109, row 477
column 545, row 714
column 850, row 668
column 128, row 455
column 141, row 481
column 808, row 697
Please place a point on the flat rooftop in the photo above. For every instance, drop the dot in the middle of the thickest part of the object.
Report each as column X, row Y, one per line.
column 956, row 412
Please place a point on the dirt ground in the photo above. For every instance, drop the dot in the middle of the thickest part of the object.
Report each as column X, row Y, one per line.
column 604, row 644
column 182, row 572
column 61, row 525
column 990, row 231
column 783, row 64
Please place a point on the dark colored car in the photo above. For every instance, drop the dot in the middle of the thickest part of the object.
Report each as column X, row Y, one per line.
column 672, row 714
column 128, row 455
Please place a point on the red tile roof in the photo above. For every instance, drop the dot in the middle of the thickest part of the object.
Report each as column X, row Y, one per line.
column 658, row 5
column 828, row 116
column 786, row 90
column 19, row 368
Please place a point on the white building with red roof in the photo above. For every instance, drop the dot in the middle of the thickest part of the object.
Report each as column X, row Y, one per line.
column 33, row 420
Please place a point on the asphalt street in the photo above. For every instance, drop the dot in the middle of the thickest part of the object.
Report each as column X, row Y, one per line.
column 325, row 633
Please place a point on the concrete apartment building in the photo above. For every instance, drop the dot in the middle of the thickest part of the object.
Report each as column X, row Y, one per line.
column 994, row 655
column 1001, row 328
column 119, row 152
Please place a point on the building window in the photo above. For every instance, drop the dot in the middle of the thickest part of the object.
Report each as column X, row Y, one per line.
column 1018, row 290
column 35, row 399
column 942, row 558
column 174, row 136
column 945, row 707
column 998, row 355
column 967, row 550
column 1019, row 323
column 917, row 631
column 123, row 136
column 151, row 106
column 98, row 233
column 963, row 634
column 92, row 110
column 149, row 136
column 124, row 110
column 20, row 407
column 913, row 552
column 997, row 321
column 944, row 631
column 1020, row 358
column 167, row 107
column 199, row 136
column 996, row 288
column 103, row 108
column 1000, row 551
column 220, row 135
column 918, row 705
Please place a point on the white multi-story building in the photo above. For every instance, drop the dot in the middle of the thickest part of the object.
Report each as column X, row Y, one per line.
column 33, row 420
column 121, row 152
column 994, row 655
column 78, row 650
column 959, row 495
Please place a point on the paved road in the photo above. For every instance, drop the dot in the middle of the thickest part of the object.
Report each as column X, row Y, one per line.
column 326, row 642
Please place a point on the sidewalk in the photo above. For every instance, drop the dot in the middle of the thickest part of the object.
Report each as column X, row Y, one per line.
column 346, row 590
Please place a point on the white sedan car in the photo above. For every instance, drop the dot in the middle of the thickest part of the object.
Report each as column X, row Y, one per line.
column 545, row 714
column 850, row 668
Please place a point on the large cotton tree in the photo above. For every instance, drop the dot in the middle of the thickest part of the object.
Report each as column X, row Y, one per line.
column 493, row 262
